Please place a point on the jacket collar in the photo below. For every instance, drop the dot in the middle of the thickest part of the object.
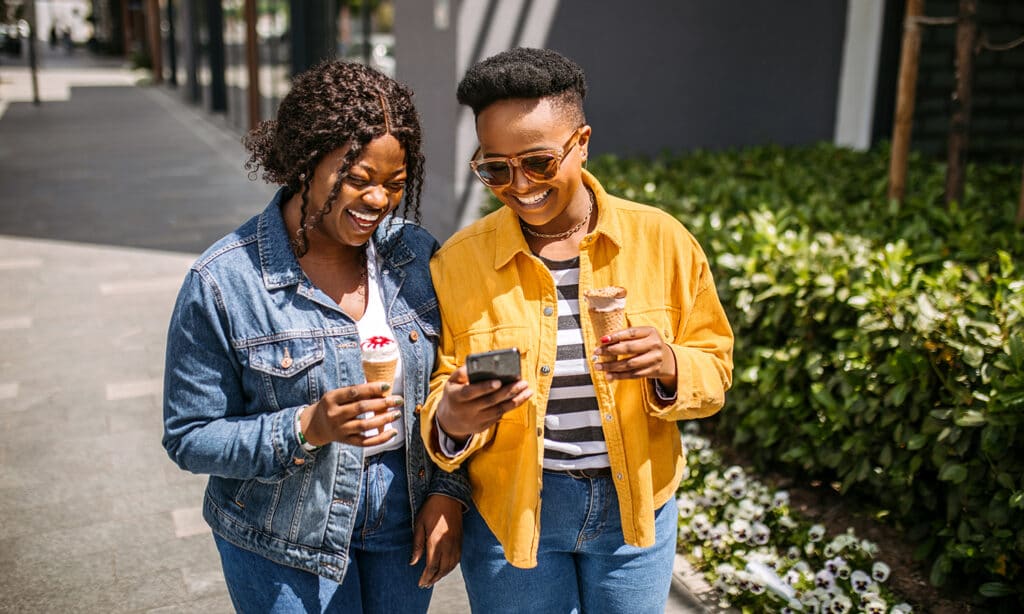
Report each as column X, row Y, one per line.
column 509, row 239
column 281, row 268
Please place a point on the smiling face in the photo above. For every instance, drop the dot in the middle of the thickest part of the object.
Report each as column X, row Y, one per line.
column 514, row 127
column 372, row 188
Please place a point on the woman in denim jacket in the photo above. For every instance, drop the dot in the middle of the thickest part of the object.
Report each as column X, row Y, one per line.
column 321, row 497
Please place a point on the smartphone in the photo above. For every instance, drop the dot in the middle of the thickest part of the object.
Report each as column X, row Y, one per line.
column 502, row 365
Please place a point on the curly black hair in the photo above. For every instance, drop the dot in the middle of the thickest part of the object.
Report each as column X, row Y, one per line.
column 335, row 104
column 525, row 72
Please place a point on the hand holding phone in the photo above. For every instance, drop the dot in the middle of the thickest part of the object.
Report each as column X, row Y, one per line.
column 502, row 365
column 467, row 407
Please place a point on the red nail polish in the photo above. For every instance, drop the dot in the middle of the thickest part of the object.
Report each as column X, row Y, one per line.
column 606, row 339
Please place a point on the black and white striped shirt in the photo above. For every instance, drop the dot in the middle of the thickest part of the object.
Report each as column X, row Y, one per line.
column 573, row 438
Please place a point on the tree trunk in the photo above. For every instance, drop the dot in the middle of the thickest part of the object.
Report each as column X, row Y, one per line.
column 156, row 42
column 966, row 31
column 905, row 93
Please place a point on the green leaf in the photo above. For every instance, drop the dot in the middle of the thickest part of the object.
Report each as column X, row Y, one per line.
column 970, row 418
column 996, row 589
column 953, row 472
column 917, row 441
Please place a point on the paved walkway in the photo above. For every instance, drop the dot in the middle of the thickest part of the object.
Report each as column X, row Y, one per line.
column 108, row 191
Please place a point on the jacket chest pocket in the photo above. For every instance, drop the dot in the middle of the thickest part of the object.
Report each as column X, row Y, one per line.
column 500, row 338
column 286, row 370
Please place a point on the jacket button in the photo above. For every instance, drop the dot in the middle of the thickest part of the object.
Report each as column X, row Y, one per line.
column 548, row 311
column 422, row 472
column 419, row 408
column 545, row 370
column 414, row 336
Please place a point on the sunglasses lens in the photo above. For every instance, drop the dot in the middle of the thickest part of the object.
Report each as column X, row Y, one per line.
column 494, row 173
column 540, row 167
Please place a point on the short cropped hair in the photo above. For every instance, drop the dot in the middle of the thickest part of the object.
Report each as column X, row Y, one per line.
column 525, row 73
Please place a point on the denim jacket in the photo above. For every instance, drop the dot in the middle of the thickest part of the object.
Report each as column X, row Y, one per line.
column 251, row 342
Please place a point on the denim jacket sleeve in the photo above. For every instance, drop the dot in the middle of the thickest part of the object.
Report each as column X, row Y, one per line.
column 206, row 427
column 454, row 485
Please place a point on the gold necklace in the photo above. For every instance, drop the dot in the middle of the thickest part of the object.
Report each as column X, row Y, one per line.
column 561, row 235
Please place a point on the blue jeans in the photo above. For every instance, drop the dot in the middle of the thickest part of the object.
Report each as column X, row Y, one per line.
column 379, row 578
column 583, row 562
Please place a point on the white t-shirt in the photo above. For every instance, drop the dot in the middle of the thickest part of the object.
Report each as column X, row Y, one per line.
column 373, row 323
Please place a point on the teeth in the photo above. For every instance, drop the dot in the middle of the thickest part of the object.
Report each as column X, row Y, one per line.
column 533, row 200
column 366, row 217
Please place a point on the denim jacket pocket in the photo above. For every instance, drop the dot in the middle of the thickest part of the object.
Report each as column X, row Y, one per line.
column 286, row 368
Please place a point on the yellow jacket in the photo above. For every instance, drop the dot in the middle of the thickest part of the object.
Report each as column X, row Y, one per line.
column 493, row 294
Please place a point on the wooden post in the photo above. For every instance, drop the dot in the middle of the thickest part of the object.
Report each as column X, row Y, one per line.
column 156, row 42
column 966, row 32
column 905, row 93
column 252, row 60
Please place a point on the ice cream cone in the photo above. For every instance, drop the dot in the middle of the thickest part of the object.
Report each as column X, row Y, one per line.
column 380, row 358
column 607, row 309
column 607, row 322
column 381, row 371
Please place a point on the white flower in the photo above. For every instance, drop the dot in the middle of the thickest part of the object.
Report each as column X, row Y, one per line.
column 901, row 608
column 844, row 570
column 833, row 564
column 880, row 571
column 841, row 604
column 737, row 489
column 761, row 534
column 686, row 505
column 684, row 532
column 793, row 553
column 860, row 581
column 741, row 530
column 780, row 499
column 875, row 605
column 811, row 603
column 792, row 577
column 816, row 533
column 869, row 548
column 824, row 579
column 733, row 473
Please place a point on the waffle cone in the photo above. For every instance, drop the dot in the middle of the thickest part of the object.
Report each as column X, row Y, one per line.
column 607, row 322
column 380, row 371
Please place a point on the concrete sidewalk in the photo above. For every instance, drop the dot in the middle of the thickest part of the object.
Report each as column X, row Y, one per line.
column 109, row 191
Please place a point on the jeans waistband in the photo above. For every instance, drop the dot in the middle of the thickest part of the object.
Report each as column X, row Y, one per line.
column 584, row 474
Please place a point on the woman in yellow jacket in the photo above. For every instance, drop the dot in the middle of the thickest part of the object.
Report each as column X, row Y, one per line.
column 573, row 467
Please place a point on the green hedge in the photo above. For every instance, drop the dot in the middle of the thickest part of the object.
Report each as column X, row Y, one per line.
column 878, row 345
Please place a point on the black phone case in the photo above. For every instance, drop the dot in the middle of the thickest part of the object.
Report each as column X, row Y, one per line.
column 502, row 365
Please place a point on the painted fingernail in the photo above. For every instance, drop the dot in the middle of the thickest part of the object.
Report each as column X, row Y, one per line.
column 606, row 339
column 385, row 387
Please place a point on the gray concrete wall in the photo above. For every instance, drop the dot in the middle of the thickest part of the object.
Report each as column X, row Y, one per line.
column 675, row 75
column 425, row 57
column 694, row 74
